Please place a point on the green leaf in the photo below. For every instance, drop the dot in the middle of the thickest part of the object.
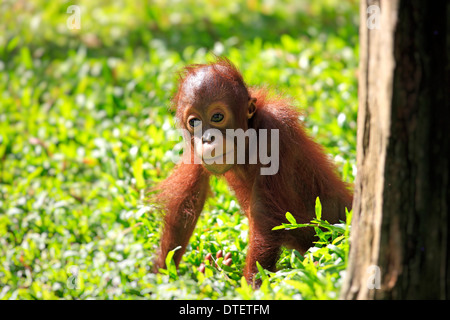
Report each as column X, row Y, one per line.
column 290, row 218
column 318, row 209
column 262, row 272
column 25, row 57
column 227, row 268
column 245, row 290
column 170, row 264
column 138, row 173
column 12, row 43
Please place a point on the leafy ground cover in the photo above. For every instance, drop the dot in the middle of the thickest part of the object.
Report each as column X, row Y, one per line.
column 85, row 130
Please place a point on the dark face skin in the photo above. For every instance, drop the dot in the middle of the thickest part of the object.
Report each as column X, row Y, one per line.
column 212, row 114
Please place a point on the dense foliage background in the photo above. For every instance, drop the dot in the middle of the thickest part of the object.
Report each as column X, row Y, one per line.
column 85, row 129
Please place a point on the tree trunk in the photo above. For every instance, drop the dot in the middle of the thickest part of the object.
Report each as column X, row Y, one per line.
column 400, row 246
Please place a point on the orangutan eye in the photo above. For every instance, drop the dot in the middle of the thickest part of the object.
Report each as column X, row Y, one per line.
column 217, row 117
column 194, row 122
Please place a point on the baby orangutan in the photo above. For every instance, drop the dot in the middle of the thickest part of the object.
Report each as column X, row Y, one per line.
column 213, row 105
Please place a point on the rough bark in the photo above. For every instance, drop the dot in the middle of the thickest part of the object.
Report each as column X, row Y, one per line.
column 402, row 190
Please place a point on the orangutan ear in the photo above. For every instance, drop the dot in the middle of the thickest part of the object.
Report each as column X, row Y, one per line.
column 251, row 107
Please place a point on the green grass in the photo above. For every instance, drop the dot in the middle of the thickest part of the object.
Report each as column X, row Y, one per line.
column 85, row 129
